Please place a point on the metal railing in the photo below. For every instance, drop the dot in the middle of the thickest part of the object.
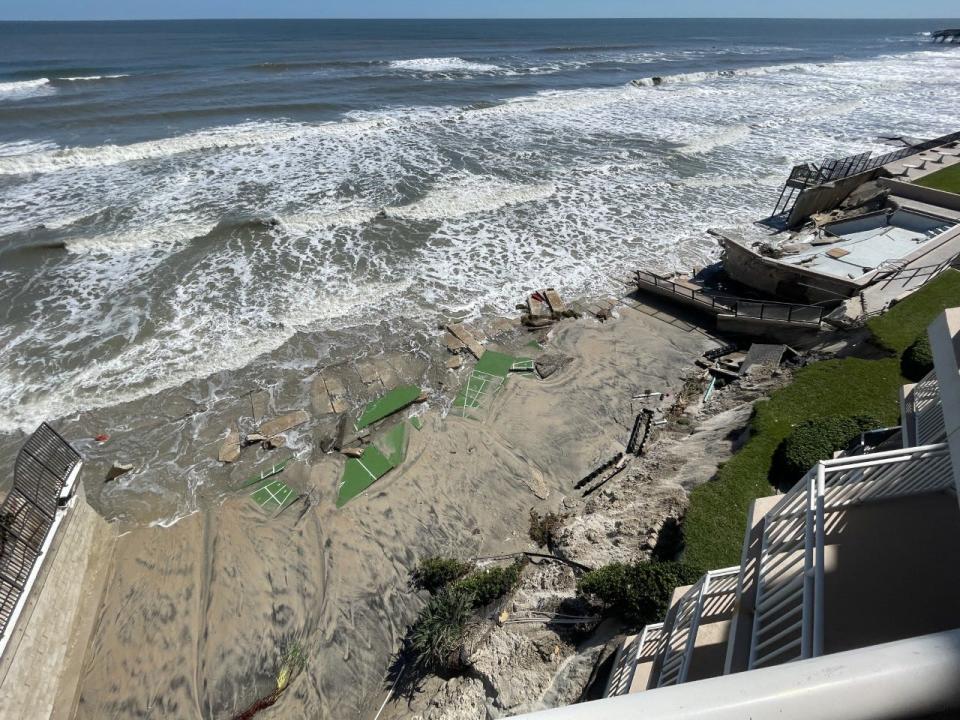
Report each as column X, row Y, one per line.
column 738, row 307
column 812, row 174
column 641, row 648
column 788, row 620
column 712, row 595
column 927, row 410
column 27, row 514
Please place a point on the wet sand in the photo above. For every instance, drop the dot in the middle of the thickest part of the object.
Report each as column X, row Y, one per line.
column 197, row 617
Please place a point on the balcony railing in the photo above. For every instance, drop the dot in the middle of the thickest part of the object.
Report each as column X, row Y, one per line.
column 788, row 620
column 738, row 307
column 927, row 411
column 645, row 647
column 712, row 595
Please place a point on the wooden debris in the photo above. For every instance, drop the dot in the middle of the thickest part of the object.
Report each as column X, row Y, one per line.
column 455, row 362
column 272, row 443
column 284, row 423
column 461, row 333
column 538, row 307
column 230, row 450
column 352, row 452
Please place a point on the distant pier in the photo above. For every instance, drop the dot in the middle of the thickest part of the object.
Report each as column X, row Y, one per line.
column 946, row 36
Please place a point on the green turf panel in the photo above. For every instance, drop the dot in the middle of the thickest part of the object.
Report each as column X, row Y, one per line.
column 522, row 365
column 274, row 496
column 269, row 472
column 394, row 444
column 360, row 473
column 495, row 363
column 417, row 422
column 395, row 400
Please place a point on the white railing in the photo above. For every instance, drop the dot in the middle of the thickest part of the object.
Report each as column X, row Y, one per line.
column 788, row 620
column 712, row 595
column 644, row 647
column 927, row 411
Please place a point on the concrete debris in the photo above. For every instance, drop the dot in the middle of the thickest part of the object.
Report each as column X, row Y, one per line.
column 284, row 423
column 118, row 469
column 253, row 438
column 230, row 450
column 465, row 336
column 550, row 363
column 455, row 362
column 453, row 345
column 353, row 452
column 272, row 443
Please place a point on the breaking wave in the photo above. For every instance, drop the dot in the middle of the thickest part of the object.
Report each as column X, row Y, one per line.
column 443, row 64
column 25, row 89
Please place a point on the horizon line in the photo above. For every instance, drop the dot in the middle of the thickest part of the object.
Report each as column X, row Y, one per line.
column 446, row 19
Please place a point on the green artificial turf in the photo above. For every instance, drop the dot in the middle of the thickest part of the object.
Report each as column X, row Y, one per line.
column 947, row 179
column 395, row 400
column 716, row 518
column 274, row 496
column 360, row 473
column 899, row 326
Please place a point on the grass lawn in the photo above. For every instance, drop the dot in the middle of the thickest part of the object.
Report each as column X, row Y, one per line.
column 947, row 179
column 897, row 328
column 716, row 518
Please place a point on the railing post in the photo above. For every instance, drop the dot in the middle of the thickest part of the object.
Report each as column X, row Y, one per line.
column 818, row 608
column 806, row 631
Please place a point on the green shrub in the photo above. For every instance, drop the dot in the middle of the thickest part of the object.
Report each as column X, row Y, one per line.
column 812, row 441
column 433, row 573
column 639, row 593
column 543, row 527
column 485, row 586
column 439, row 631
column 917, row 359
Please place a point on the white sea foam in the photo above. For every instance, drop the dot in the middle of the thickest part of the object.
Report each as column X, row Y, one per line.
column 93, row 77
column 561, row 188
column 443, row 65
column 466, row 196
column 254, row 133
column 25, row 147
column 22, row 89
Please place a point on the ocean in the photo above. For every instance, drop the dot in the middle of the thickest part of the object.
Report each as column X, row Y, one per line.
column 192, row 209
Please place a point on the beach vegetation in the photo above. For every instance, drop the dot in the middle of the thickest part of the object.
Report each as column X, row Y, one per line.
column 433, row 573
column 811, row 441
column 639, row 592
column 917, row 360
column 485, row 586
column 440, row 629
column 544, row 527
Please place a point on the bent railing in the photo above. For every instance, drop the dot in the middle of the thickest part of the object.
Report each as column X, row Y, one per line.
column 45, row 468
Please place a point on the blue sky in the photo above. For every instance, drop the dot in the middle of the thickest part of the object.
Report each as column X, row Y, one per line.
column 137, row 9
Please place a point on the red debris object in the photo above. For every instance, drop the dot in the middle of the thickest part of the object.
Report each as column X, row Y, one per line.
column 538, row 296
column 102, row 438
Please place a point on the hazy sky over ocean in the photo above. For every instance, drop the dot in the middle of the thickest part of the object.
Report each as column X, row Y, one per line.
column 146, row 9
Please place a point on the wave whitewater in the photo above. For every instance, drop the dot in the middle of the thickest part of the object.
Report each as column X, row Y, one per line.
column 443, row 64
column 254, row 133
column 25, row 89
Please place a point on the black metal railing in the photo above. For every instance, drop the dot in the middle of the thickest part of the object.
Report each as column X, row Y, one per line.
column 811, row 174
column 27, row 513
column 738, row 307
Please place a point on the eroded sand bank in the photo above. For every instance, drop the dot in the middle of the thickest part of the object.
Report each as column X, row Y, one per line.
column 197, row 616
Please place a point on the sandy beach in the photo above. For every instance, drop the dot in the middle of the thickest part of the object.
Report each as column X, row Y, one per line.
column 196, row 617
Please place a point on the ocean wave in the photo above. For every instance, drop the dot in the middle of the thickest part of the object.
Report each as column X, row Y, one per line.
column 25, row 147
column 696, row 77
column 254, row 133
column 22, row 89
column 92, row 77
column 706, row 143
column 442, row 64
column 469, row 196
